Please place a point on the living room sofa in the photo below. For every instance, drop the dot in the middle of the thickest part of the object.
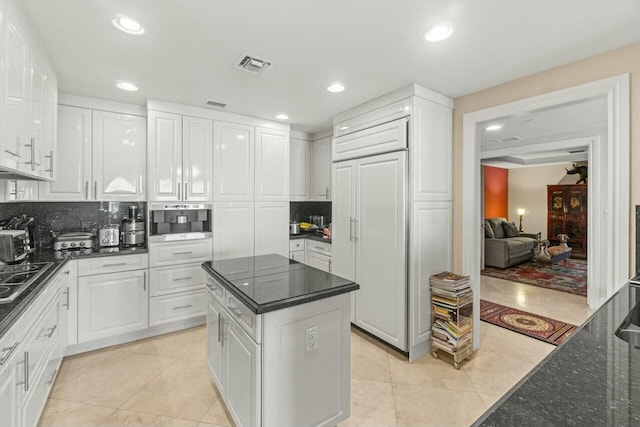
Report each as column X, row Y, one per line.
column 502, row 251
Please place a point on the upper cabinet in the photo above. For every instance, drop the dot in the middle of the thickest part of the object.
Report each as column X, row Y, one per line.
column 101, row 156
column 233, row 162
column 322, row 169
column 119, row 161
column 28, row 93
column 272, row 165
column 179, row 157
column 300, row 169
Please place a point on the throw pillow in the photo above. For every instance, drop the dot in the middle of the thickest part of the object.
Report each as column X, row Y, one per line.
column 510, row 229
column 488, row 231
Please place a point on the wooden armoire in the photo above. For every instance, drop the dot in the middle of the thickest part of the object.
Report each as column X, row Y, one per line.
column 567, row 214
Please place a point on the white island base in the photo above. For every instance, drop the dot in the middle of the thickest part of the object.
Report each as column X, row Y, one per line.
column 284, row 368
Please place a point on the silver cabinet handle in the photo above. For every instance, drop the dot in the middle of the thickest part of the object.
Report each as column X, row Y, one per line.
column 326, row 193
column 144, row 281
column 9, row 351
column 180, row 307
column 95, row 190
column 25, row 361
column 355, row 234
column 118, row 264
column 182, row 253
column 179, row 186
column 185, row 191
column 51, row 331
column 350, row 229
column 329, row 266
column 67, row 303
column 219, row 323
column 86, row 190
column 212, row 286
column 182, row 278
column 32, row 148
column 50, row 170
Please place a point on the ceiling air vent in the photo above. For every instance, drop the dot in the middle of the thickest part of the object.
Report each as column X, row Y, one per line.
column 211, row 103
column 253, row 64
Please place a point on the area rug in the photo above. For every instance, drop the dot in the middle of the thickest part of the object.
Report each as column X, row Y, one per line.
column 541, row 328
column 567, row 278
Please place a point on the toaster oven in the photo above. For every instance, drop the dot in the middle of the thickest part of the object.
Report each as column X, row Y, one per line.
column 14, row 245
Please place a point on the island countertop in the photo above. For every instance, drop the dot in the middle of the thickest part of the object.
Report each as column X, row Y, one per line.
column 592, row 379
column 271, row 282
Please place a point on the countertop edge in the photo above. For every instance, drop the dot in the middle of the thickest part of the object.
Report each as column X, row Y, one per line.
column 285, row 303
column 10, row 320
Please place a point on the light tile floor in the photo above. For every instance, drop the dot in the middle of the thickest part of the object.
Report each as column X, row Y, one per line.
column 163, row 381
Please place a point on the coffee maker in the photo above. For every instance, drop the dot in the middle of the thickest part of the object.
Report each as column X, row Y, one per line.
column 133, row 233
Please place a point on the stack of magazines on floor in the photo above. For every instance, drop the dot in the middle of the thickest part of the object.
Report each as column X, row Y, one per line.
column 451, row 299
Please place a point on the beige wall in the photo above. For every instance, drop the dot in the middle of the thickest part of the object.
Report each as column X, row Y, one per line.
column 619, row 61
column 528, row 190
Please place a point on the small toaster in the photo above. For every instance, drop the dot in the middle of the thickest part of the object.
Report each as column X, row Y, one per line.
column 109, row 236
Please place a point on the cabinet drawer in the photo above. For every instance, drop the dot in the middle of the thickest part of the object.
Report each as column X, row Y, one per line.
column 249, row 321
column 173, row 253
column 379, row 139
column 297, row 256
column 179, row 278
column 112, row 264
column 216, row 289
column 296, row 245
column 169, row 308
column 319, row 247
column 39, row 390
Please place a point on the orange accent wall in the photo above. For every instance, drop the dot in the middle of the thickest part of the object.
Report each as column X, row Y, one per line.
column 496, row 192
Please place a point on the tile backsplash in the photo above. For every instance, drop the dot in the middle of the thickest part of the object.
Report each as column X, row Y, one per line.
column 68, row 216
column 300, row 211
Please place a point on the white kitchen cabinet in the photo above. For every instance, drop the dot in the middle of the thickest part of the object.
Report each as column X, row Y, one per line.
column 297, row 256
column 215, row 350
column 70, row 281
column 36, row 114
column 197, row 141
column 179, row 252
column 300, row 169
column 319, row 261
column 72, row 163
column 233, row 228
column 322, row 169
column 271, row 165
column 176, row 307
column 8, row 390
column 179, row 157
column 242, row 365
column 119, row 156
column 233, row 162
column 376, row 234
column 271, row 228
column 112, row 304
column 164, row 156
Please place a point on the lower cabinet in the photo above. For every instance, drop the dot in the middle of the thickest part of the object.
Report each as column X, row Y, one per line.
column 174, row 307
column 112, row 304
column 235, row 362
column 30, row 356
column 318, row 255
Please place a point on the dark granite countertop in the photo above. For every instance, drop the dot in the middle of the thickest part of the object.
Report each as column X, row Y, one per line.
column 272, row 282
column 592, row 379
column 101, row 252
column 10, row 312
column 310, row 235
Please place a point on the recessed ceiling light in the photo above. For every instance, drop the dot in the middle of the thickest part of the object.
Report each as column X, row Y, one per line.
column 492, row 128
column 335, row 87
column 439, row 32
column 282, row 116
column 128, row 25
column 128, row 86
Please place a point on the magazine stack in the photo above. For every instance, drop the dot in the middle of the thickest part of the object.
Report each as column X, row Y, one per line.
column 451, row 316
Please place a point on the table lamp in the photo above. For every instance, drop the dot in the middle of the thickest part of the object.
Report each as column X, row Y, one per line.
column 521, row 213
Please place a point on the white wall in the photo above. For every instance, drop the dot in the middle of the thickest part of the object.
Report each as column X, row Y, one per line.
column 528, row 190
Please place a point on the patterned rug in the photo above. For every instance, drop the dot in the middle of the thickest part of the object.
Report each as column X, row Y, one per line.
column 542, row 328
column 570, row 278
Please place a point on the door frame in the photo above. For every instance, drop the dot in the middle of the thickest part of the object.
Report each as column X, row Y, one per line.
column 610, row 158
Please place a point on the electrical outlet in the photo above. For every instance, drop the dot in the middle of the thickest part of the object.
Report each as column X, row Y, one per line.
column 84, row 225
column 312, row 339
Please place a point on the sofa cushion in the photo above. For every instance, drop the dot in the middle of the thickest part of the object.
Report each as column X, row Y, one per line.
column 496, row 226
column 520, row 245
column 510, row 229
column 488, row 231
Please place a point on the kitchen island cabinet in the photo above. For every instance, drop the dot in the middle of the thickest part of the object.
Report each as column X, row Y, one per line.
column 278, row 343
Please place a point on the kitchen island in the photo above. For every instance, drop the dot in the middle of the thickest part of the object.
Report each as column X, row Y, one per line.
column 592, row 379
column 278, row 341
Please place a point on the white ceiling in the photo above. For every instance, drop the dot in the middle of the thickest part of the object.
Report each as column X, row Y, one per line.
column 372, row 46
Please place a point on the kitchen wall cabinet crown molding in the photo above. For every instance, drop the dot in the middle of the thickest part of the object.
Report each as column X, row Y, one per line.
column 90, row 103
column 205, row 113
